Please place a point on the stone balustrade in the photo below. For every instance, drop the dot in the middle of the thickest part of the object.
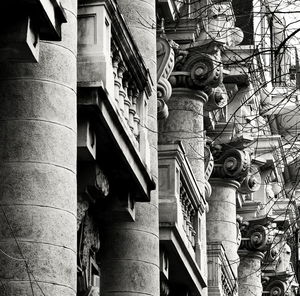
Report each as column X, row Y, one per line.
column 127, row 96
column 188, row 215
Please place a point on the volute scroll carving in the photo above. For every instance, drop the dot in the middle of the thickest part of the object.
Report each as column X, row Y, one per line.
column 208, row 166
column 252, row 182
column 256, row 237
column 196, row 69
column 233, row 164
column 277, row 288
column 165, row 64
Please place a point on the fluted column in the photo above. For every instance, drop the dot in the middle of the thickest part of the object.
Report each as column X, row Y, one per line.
column 38, row 169
column 130, row 250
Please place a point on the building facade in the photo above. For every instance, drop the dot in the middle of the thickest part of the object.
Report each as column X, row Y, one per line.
column 148, row 148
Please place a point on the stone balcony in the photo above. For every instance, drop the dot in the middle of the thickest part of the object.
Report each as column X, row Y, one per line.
column 114, row 87
column 181, row 218
column 221, row 281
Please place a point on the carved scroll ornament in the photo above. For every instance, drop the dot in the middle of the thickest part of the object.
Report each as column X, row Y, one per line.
column 209, row 166
column 232, row 163
column 255, row 238
column 201, row 71
column 277, row 288
column 165, row 64
column 252, row 181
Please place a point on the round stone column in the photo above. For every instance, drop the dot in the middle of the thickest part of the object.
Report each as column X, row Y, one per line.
column 185, row 124
column 249, row 273
column 221, row 218
column 130, row 250
column 38, row 169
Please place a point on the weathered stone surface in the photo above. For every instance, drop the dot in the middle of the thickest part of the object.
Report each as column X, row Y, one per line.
column 249, row 273
column 38, row 169
column 221, row 218
column 134, row 268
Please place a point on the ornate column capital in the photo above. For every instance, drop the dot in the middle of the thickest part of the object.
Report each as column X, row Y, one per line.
column 231, row 164
column 252, row 181
column 201, row 69
column 257, row 235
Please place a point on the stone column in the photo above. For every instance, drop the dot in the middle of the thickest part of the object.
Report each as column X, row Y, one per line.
column 185, row 124
column 249, row 273
column 38, row 169
column 130, row 250
column 221, row 218
column 231, row 168
column 195, row 80
column 256, row 240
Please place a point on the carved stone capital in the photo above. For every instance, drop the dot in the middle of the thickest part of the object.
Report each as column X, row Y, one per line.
column 202, row 71
column 257, row 234
column 232, row 163
column 255, row 238
column 276, row 288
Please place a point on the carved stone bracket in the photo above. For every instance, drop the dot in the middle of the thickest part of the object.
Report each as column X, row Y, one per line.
column 165, row 64
column 209, row 166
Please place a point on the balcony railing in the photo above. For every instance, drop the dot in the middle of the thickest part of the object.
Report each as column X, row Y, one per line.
column 181, row 203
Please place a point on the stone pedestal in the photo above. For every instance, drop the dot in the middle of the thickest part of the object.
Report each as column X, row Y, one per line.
column 249, row 273
column 38, row 169
column 221, row 218
column 130, row 250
